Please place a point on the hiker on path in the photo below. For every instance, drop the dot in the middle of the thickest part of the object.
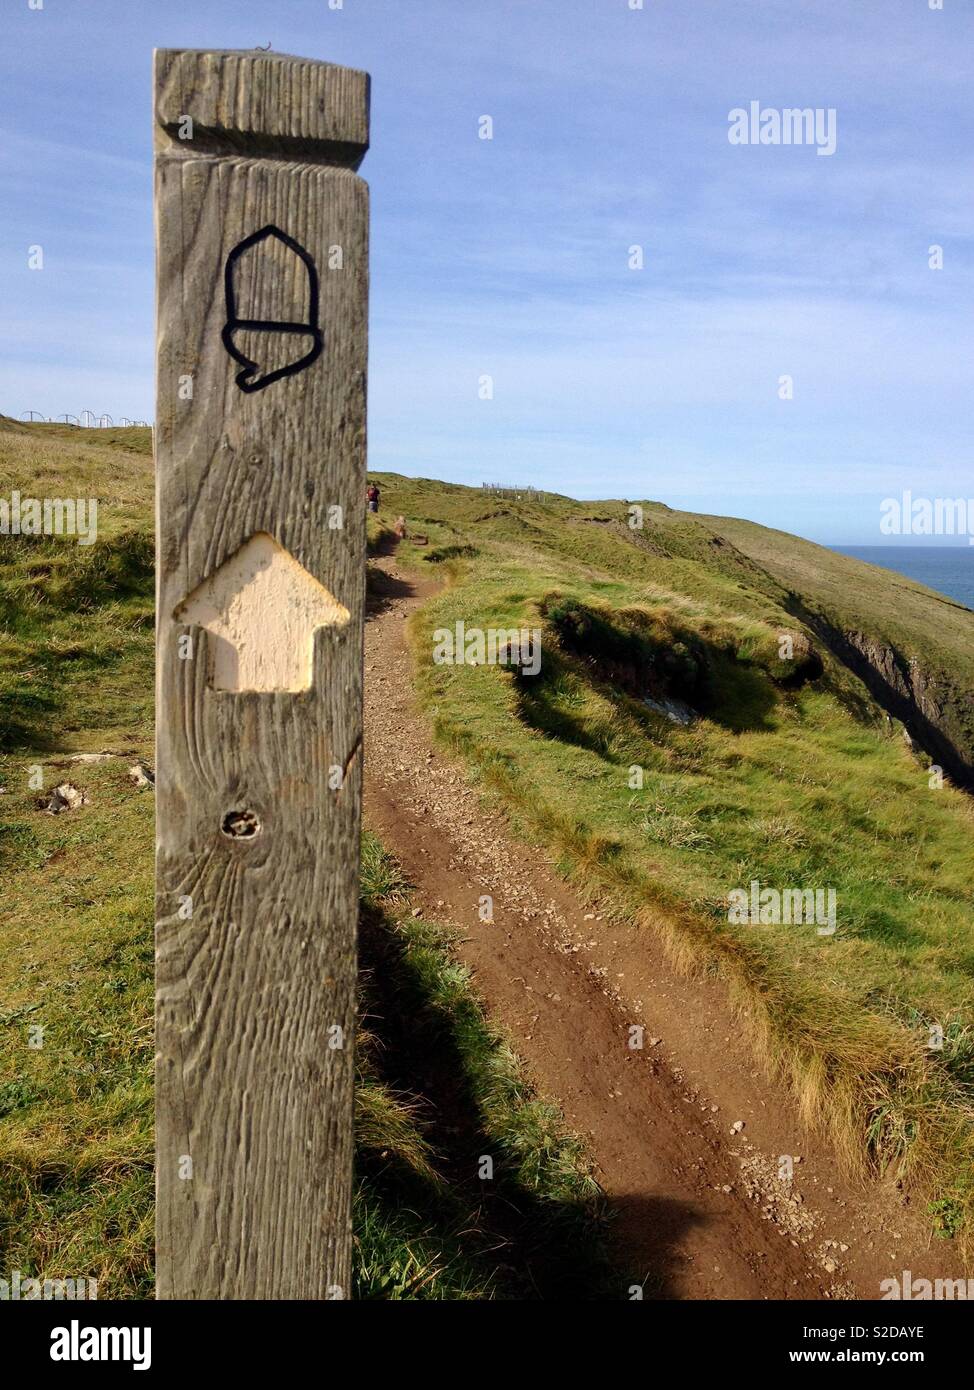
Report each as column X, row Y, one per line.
column 372, row 497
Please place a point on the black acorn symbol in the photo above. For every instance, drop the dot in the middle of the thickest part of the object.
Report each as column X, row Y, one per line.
column 271, row 279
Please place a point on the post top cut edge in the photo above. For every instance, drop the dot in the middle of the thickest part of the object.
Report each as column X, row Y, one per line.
column 255, row 102
column 264, row 54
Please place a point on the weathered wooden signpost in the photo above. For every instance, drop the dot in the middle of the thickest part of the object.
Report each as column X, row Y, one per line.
column 262, row 227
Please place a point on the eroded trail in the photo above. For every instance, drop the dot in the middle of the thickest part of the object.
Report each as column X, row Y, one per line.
column 701, row 1211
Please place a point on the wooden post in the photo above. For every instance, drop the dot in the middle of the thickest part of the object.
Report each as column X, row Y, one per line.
column 262, row 227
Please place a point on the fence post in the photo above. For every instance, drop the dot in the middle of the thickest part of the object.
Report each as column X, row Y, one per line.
column 262, row 266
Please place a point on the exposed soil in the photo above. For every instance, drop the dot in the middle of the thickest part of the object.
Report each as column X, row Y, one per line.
column 686, row 1134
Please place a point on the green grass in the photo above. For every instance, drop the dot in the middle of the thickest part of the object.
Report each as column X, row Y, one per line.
column 792, row 775
column 76, row 674
column 437, row 1087
column 76, row 1139
column 76, row 622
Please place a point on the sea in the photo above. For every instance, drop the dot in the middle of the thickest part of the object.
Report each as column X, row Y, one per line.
column 947, row 568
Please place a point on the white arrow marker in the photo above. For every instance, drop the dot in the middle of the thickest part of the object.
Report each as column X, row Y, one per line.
column 261, row 609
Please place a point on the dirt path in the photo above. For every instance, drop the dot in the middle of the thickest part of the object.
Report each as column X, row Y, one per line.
column 700, row 1210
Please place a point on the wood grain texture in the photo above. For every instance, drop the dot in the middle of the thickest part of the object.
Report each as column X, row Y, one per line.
column 250, row 987
column 268, row 101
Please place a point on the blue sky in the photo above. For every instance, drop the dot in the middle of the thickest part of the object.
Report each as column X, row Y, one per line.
column 509, row 257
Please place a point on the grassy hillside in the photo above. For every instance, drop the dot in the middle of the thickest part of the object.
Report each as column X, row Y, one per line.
column 791, row 774
column 76, row 622
column 437, row 1086
column 911, row 645
column 928, row 626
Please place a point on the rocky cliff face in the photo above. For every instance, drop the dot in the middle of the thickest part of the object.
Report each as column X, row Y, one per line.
column 937, row 715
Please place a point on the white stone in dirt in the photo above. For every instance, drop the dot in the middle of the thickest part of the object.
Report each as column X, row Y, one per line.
column 66, row 797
